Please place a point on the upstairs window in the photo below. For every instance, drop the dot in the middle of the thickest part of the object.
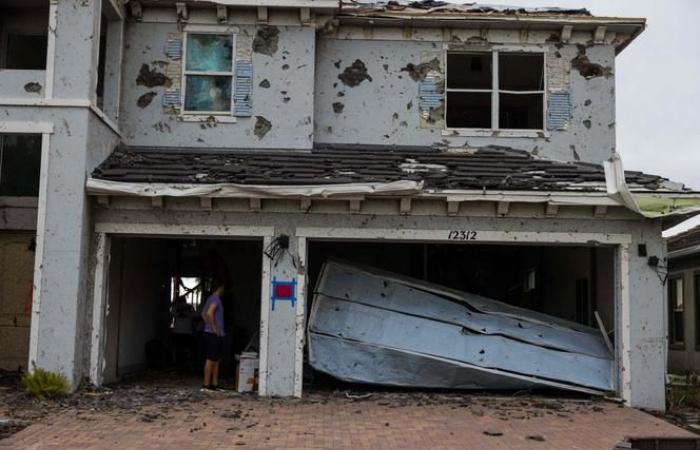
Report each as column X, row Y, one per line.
column 675, row 315
column 495, row 90
column 208, row 74
column 25, row 51
column 20, row 163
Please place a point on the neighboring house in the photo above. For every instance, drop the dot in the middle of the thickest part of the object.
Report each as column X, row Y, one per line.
column 683, row 241
column 179, row 142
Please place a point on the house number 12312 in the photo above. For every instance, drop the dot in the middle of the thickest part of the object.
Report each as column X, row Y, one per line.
column 462, row 235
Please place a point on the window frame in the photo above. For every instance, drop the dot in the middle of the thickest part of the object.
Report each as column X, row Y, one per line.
column 675, row 345
column 202, row 115
column 495, row 93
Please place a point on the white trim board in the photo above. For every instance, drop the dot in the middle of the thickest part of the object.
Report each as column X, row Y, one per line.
column 39, row 253
column 480, row 236
column 99, row 310
column 27, row 128
column 264, row 319
column 300, row 312
column 183, row 229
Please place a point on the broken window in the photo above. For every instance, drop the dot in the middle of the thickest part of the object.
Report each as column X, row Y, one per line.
column 676, row 308
column 20, row 163
column 25, row 52
column 208, row 73
column 509, row 98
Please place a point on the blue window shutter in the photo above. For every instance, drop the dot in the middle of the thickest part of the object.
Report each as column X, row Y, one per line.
column 173, row 49
column 243, row 89
column 558, row 110
column 171, row 98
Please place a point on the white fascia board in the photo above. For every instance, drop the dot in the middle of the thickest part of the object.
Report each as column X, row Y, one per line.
column 336, row 191
column 314, row 4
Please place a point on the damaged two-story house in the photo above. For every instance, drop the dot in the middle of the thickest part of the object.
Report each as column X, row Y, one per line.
column 157, row 145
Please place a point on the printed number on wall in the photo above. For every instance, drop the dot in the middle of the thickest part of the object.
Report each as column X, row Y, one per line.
column 462, row 235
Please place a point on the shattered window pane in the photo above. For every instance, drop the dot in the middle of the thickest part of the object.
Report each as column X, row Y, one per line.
column 468, row 110
column 521, row 111
column 20, row 163
column 521, row 71
column 209, row 53
column 208, row 93
column 469, row 70
column 26, row 52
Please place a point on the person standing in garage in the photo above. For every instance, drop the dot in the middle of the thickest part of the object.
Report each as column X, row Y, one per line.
column 213, row 315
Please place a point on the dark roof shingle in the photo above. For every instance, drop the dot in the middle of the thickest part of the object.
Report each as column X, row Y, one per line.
column 484, row 168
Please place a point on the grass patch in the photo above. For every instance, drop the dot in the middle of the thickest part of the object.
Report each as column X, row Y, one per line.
column 43, row 384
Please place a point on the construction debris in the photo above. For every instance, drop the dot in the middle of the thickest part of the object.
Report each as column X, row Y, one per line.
column 375, row 327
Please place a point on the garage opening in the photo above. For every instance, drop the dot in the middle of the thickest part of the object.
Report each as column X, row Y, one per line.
column 574, row 283
column 157, row 289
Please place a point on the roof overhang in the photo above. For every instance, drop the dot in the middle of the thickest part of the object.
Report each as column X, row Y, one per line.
column 289, row 4
column 631, row 27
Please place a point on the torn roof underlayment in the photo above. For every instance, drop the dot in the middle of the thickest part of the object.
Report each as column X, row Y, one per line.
column 381, row 170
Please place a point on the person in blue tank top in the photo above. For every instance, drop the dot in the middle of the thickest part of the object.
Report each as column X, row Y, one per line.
column 213, row 316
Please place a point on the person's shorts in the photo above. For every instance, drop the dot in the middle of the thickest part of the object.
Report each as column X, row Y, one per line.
column 213, row 346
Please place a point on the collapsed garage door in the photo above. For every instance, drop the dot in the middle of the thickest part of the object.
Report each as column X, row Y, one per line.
column 148, row 276
column 465, row 316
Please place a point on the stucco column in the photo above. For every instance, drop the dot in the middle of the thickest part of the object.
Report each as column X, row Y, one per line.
column 279, row 320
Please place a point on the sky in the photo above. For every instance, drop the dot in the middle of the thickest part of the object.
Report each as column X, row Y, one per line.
column 657, row 85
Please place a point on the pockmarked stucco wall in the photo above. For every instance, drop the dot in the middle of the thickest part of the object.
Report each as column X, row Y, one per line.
column 647, row 330
column 79, row 141
column 367, row 90
column 282, row 55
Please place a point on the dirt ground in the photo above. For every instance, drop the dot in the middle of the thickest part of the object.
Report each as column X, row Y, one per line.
column 172, row 413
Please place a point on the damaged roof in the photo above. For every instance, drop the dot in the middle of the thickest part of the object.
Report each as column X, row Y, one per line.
column 433, row 6
column 437, row 13
column 493, row 168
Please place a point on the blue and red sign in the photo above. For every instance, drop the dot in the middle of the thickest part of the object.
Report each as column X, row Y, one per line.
column 284, row 291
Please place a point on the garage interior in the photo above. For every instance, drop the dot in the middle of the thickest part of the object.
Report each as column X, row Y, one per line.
column 147, row 275
column 568, row 282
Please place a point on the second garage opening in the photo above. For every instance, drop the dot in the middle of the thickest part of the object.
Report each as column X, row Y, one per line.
column 574, row 283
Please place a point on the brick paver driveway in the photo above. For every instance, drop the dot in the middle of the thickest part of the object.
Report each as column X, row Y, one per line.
column 328, row 420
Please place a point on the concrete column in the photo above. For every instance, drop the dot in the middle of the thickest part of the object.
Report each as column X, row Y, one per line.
column 281, row 324
column 77, row 46
column 60, row 279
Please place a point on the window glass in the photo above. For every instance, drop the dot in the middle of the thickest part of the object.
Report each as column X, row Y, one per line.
column 469, row 71
column 26, row 52
column 521, row 71
column 20, row 163
column 469, row 110
column 520, row 111
column 208, row 93
column 209, row 53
